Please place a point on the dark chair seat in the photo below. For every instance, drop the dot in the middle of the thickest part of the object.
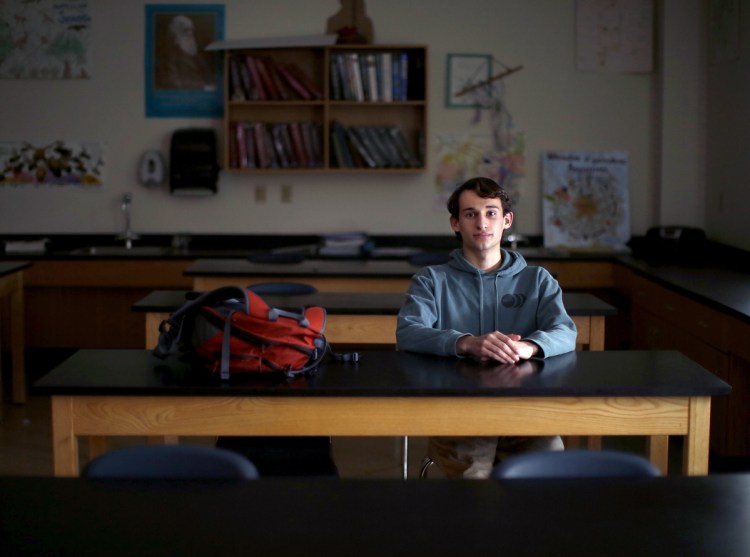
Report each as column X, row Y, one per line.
column 574, row 464
column 171, row 462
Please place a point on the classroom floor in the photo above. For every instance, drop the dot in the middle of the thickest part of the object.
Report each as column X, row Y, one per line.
column 25, row 440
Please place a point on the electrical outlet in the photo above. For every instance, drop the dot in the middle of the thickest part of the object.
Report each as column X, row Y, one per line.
column 261, row 194
column 286, row 193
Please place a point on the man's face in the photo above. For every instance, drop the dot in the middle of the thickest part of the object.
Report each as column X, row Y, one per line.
column 481, row 222
column 184, row 35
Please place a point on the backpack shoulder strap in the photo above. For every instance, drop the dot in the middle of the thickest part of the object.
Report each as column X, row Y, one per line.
column 169, row 329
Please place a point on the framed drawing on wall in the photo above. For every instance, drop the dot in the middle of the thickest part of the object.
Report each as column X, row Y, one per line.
column 183, row 79
column 462, row 73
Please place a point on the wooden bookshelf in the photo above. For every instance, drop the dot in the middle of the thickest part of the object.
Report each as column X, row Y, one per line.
column 391, row 119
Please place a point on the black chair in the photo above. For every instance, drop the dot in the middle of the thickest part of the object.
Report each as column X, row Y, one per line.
column 169, row 462
column 575, row 464
column 285, row 456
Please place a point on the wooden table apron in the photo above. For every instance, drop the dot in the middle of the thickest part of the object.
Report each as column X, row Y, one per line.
column 74, row 416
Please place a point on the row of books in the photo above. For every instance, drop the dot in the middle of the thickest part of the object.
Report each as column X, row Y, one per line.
column 254, row 78
column 377, row 76
column 276, row 145
column 371, row 147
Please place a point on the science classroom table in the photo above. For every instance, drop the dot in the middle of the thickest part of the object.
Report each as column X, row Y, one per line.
column 11, row 288
column 369, row 318
column 387, row 393
column 327, row 275
column 653, row 517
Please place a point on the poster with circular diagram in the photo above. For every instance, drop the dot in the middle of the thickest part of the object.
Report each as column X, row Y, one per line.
column 585, row 200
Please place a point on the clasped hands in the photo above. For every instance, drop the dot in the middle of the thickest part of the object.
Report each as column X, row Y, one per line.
column 496, row 346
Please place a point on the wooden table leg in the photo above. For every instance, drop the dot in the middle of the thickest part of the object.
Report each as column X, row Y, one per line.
column 658, row 452
column 64, row 442
column 695, row 450
column 97, row 445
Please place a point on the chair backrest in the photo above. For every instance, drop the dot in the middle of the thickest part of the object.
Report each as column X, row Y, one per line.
column 282, row 288
column 171, row 462
column 575, row 464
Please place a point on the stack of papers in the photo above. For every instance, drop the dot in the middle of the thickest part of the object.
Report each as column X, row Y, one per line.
column 348, row 244
column 26, row 246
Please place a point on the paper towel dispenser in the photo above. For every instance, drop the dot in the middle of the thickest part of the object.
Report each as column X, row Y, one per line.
column 193, row 169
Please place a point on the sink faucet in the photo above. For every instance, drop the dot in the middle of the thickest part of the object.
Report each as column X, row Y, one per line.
column 128, row 235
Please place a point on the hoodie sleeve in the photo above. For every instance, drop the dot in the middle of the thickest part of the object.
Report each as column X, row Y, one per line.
column 556, row 332
column 417, row 327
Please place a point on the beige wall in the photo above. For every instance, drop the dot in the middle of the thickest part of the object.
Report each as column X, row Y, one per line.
column 728, row 138
column 556, row 106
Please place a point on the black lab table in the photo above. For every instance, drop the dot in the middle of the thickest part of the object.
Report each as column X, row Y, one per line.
column 387, row 393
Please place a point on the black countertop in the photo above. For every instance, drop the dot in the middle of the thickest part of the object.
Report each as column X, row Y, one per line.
column 391, row 374
column 718, row 276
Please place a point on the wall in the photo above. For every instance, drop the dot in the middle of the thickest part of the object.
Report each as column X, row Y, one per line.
column 556, row 106
column 728, row 136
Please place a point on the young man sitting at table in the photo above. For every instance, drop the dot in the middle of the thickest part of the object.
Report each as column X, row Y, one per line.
column 484, row 303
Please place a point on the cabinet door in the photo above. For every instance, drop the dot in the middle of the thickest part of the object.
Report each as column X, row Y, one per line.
column 738, row 412
column 650, row 331
column 681, row 312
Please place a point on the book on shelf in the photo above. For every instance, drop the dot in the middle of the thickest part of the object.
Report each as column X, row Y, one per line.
column 389, row 147
column 305, row 80
column 374, row 146
column 273, row 157
column 308, row 132
column 372, row 77
column 341, row 145
column 275, row 75
column 240, row 145
column 404, row 84
column 298, row 143
column 367, row 144
column 260, row 145
column 249, row 145
column 336, row 79
column 342, row 66
column 293, row 82
column 396, row 77
column 286, row 139
column 259, row 90
column 238, row 87
column 360, row 148
column 272, row 92
column 386, row 83
column 283, row 156
column 355, row 76
column 402, row 145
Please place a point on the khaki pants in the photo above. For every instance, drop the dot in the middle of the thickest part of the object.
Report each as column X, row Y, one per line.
column 474, row 457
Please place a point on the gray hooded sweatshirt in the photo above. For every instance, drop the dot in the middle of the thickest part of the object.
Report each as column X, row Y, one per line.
column 446, row 302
